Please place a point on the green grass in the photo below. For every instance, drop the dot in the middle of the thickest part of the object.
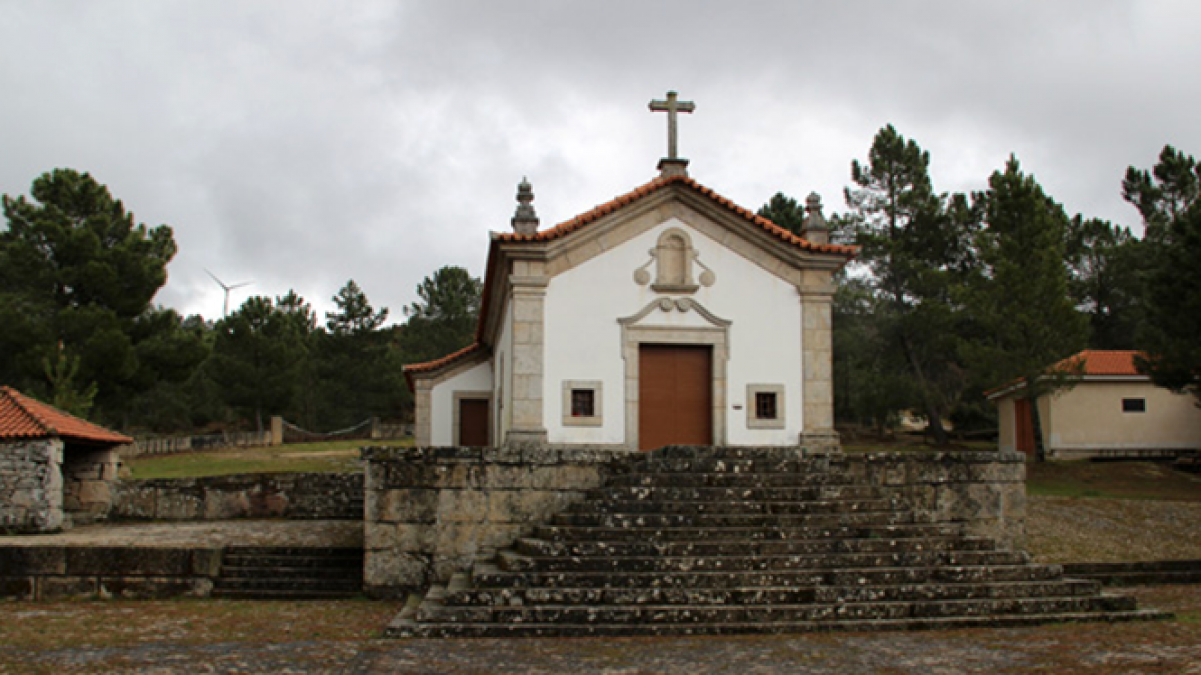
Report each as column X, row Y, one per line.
column 1111, row 480
column 324, row 457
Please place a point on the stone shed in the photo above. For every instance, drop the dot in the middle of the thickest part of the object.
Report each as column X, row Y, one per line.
column 56, row 470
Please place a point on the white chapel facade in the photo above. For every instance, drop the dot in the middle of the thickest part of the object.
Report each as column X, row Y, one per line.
column 666, row 316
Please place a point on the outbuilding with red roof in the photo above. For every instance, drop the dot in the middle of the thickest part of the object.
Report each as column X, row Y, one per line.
column 55, row 469
column 1111, row 411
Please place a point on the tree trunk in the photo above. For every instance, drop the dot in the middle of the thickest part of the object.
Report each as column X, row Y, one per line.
column 1040, row 451
column 933, row 416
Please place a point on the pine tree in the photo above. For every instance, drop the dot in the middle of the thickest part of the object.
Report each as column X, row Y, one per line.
column 1019, row 297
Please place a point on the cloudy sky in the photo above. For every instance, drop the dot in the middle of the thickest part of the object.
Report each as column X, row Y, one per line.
column 299, row 144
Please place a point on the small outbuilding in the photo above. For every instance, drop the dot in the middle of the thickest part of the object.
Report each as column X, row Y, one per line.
column 56, row 470
column 1112, row 411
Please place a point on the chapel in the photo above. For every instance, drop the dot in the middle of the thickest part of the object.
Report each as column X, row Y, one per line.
column 667, row 316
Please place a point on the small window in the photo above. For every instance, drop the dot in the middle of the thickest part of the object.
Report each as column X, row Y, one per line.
column 583, row 403
column 765, row 405
column 1134, row 405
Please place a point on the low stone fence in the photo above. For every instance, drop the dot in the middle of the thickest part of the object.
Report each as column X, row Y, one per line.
column 431, row 512
column 59, row 572
column 984, row 491
column 300, row 496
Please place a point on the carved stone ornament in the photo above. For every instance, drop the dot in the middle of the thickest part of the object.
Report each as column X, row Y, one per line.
column 673, row 257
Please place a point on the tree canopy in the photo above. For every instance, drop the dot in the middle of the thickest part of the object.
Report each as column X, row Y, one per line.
column 76, row 275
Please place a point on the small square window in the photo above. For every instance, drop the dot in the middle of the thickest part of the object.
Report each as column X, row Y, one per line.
column 765, row 405
column 583, row 403
column 1134, row 405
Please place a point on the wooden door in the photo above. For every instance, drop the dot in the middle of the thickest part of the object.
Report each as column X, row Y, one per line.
column 473, row 422
column 1023, row 426
column 675, row 395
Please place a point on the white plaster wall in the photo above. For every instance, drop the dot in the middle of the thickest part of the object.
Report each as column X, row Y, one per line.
column 583, row 338
column 442, row 404
column 1089, row 416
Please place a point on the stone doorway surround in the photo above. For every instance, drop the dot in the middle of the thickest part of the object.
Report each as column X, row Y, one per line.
column 717, row 336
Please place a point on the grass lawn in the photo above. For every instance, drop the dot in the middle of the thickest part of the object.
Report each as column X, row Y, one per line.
column 1111, row 480
column 326, row 457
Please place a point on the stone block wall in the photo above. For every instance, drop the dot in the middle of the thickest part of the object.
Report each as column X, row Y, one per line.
column 431, row 512
column 983, row 491
column 299, row 496
column 31, row 489
column 61, row 572
column 88, row 477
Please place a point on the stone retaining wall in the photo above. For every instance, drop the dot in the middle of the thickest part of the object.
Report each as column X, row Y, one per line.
column 431, row 512
column 61, row 572
column 300, row 496
column 985, row 491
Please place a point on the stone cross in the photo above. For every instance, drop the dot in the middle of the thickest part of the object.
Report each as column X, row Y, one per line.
column 672, row 106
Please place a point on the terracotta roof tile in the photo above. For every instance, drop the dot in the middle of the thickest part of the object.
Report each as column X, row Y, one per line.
column 565, row 228
column 1099, row 362
column 24, row 417
column 454, row 357
column 1096, row 363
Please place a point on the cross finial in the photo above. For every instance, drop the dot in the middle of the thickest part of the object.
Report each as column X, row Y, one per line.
column 672, row 106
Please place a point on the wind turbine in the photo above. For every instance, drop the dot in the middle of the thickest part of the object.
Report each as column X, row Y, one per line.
column 227, row 289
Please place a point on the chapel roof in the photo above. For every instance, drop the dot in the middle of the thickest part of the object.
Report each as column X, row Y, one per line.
column 567, row 227
column 596, row 213
column 24, row 417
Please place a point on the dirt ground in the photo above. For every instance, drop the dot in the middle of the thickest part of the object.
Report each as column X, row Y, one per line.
column 339, row 637
column 206, row 636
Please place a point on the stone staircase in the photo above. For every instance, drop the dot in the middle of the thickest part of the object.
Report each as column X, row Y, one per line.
column 289, row 573
column 718, row 541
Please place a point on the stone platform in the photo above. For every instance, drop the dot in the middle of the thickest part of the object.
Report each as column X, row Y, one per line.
column 697, row 541
column 156, row 560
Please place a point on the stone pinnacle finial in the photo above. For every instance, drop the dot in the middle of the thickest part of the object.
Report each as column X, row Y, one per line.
column 814, row 227
column 525, row 220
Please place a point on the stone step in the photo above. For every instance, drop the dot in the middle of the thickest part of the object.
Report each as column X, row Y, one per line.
column 273, row 572
column 489, row 575
column 692, row 614
column 311, row 551
column 735, row 507
column 745, row 493
column 258, row 560
column 640, row 547
column 705, row 520
column 748, row 534
column 790, row 480
column 512, row 561
column 766, row 595
column 400, row 628
column 331, row 585
column 716, row 464
column 281, row 595
column 738, row 452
